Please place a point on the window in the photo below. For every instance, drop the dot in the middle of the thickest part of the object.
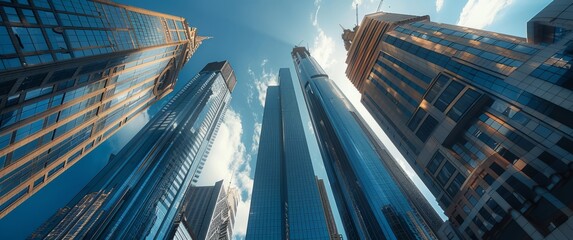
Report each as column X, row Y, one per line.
column 480, row 191
column 29, row 16
column 437, row 87
column 30, row 39
column 488, row 179
column 34, row 109
column 42, row 3
column 456, row 184
column 426, row 128
column 543, row 131
column 448, row 95
column 435, row 162
column 56, row 169
column 566, row 144
column 28, row 130
column 496, row 168
column 495, row 208
column 418, row 116
column 6, row 46
column 444, row 175
column 463, row 104
column 5, row 141
column 38, row 92
column 12, row 14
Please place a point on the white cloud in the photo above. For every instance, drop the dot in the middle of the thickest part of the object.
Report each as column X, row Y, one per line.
column 439, row 5
column 481, row 13
column 323, row 45
column 323, row 48
column 127, row 132
column 229, row 160
column 262, row 81
column 310, row 128
column 356, row 3
column 256, row 137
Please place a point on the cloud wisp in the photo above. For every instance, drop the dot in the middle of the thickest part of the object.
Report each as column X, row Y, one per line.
column 439, row 5
column 323, row 45
column 262, row 81
column 481, row 13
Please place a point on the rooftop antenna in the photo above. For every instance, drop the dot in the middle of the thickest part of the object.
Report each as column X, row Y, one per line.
column 299, row 43
column 356, row 14
column 379, row 6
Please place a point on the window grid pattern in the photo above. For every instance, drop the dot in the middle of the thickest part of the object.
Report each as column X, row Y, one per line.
column 487, row 40
column 487, row 81
column 556, row 70
column 490, row 56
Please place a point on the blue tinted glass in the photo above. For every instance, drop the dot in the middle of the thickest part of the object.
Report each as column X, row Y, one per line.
column 6, row 46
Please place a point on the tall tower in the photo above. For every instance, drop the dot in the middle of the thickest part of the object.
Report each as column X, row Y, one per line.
column 72, row 73
column 369, row 200
column 139, row 192
column 207, row 212
column 483, row 118
column 286, row 202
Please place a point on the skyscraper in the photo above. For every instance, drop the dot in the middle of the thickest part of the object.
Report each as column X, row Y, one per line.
column 286, row 202
column 483, row 118
column 72, row 73
column 139, row 192
column 369, row 200
column 207, row 212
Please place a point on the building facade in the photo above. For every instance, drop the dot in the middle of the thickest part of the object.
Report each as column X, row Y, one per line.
column 369, row 200
column 207, row 212
column 72, row 73
column 139, row 192
column 483, row 118
column 285, row 202
column 330, row 223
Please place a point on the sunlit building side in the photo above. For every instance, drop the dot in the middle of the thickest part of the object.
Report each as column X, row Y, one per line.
column 483, row 118
column 139, row 193
column 72, row 73
column 370, row 202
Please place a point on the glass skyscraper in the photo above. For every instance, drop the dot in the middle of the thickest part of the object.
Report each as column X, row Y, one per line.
column 485, row 119
column 369, row 200
column 72, row 73
column 207, row 212
column 139, row 192
column 286, row 202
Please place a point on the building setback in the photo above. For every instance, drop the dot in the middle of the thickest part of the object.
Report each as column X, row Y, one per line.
column 483, row 118
column 72, row 73
column 208, row 212
column 139, row 192
column 369, row 200
column 285, row 203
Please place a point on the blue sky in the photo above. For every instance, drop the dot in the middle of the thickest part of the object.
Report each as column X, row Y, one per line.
column 256, row 36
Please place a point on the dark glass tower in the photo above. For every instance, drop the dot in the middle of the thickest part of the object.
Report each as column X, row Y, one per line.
column 72, row 73
column 286, row 202
column 207, row 212
column 139, row 192
column 485, row 119
column 370, row 202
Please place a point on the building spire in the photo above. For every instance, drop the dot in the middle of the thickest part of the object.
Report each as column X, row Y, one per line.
column 348, row 36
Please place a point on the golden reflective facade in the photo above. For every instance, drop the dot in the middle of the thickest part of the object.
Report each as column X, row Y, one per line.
column 483, row 118
column 72, row 73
